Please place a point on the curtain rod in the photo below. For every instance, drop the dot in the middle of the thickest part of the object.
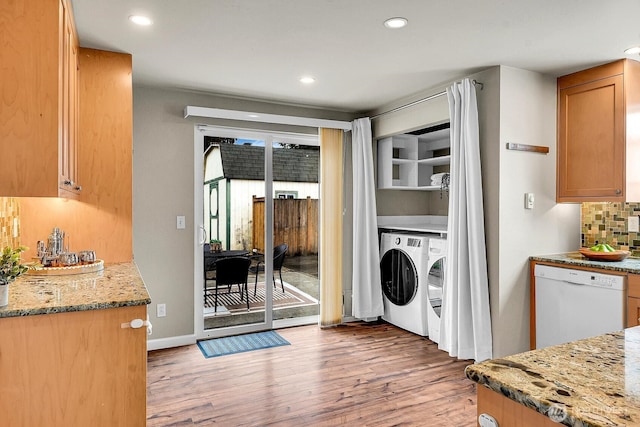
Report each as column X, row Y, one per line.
column 420, row 101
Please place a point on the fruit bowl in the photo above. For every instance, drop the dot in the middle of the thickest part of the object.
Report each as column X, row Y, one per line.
column 604, row 256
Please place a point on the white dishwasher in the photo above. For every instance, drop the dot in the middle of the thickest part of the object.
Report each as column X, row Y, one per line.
column 576, row 304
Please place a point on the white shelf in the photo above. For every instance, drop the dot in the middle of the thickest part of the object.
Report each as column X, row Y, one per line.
column 419, row 223
column 402, row 161
column 436, row 161
column 406, row 162
column 397, row 186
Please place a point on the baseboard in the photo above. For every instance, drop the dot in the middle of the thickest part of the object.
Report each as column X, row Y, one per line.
column 161, row 343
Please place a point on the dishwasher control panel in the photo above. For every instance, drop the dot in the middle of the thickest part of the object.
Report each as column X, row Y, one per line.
column 604, row 281
column 580, row 277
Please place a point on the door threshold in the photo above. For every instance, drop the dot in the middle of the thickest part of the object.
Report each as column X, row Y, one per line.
column 295, row 321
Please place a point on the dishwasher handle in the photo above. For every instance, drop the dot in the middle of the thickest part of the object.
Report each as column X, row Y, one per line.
column 571, row 282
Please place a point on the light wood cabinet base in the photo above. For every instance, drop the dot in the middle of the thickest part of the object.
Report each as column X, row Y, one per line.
column 509, row 413
column 73, row 369
column 633, row 301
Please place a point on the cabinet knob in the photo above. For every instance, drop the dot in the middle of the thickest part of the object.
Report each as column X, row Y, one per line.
column 618, row 192
column 78, row 187
column 68, row 182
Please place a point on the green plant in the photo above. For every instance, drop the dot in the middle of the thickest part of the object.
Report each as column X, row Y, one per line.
column 10, row 265
column 215, row 241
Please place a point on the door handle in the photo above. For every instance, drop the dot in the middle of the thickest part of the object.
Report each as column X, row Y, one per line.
column 204, row 235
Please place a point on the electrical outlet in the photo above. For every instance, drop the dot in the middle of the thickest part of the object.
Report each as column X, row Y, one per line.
column 633, row 223
column 180, row 222
column 161, row 310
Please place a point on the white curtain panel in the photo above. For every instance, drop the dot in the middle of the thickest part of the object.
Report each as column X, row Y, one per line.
column 367, row 288
column 465, row 329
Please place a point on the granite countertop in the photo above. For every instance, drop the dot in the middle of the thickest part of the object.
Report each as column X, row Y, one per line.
column 590, row 382
column 118, row 285
column 628, row 265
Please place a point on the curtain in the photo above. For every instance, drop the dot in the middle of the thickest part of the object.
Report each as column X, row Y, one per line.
column 367, row 289
column 331, row 211
column 465, row 319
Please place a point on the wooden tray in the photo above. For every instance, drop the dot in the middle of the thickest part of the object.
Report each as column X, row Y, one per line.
column 73, row 269
column 604, row 256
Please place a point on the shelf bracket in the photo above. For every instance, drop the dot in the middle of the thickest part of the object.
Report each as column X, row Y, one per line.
column 531, row 148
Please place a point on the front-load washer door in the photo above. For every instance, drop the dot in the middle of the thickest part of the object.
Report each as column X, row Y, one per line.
column 399, row 277
column 435, row 281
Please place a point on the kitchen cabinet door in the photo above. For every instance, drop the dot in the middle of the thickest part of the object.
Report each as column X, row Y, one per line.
column 633, row 300
column 68, row 155
column 633, row 312
column 74, row 369
column 37, row 110
column 593, row 142
column 508, row 412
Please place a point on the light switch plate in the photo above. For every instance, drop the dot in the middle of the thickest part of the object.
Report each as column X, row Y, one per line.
column 633, row 223
column 529, row 200
column 180, row 222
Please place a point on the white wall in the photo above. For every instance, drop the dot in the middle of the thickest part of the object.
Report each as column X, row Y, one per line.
column 163, row 187
column 527, row 116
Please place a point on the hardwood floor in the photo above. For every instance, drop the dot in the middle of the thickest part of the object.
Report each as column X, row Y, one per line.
column 357, row 374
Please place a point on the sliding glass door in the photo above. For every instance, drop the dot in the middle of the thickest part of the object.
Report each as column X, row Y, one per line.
column 259, row 215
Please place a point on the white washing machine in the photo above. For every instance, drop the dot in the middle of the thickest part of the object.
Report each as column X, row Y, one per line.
column 435, row 283
column 403, row 270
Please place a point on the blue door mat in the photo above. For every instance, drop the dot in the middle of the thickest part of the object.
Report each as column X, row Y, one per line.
column 241, row 343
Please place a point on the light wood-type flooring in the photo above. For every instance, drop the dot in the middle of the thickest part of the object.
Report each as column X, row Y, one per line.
column 353, row 375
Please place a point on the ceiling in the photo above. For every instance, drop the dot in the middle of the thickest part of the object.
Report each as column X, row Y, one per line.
column 260, row 48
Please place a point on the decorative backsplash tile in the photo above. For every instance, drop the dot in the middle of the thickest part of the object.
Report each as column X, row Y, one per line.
column 606, row 222
column 9, row 212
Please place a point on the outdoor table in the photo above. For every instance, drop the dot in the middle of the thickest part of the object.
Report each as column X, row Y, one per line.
column 210, row 258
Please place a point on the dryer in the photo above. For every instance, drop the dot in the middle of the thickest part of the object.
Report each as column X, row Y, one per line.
column 403, row 270
column 435, row 283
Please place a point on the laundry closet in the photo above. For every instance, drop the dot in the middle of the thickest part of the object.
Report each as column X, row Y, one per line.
column 413, row 175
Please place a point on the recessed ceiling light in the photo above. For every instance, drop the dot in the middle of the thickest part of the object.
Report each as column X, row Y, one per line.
column 394, row 23
column 632, row 50
column 307, row 80
column 140, row 20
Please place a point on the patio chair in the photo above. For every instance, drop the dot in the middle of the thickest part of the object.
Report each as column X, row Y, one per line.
column 228, row 272
column 278, row 259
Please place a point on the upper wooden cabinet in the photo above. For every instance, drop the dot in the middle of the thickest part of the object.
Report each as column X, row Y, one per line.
column 598, row 149
column 38, row 99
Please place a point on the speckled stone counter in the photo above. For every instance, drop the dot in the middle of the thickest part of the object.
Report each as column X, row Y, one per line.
column 629, row 265
column 590, row 382
column 118, row 285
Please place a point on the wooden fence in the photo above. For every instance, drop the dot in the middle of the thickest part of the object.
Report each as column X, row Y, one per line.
column 295, row 222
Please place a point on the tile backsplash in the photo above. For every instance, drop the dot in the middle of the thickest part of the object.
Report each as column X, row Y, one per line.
column 606, row 222
column 9, row 222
